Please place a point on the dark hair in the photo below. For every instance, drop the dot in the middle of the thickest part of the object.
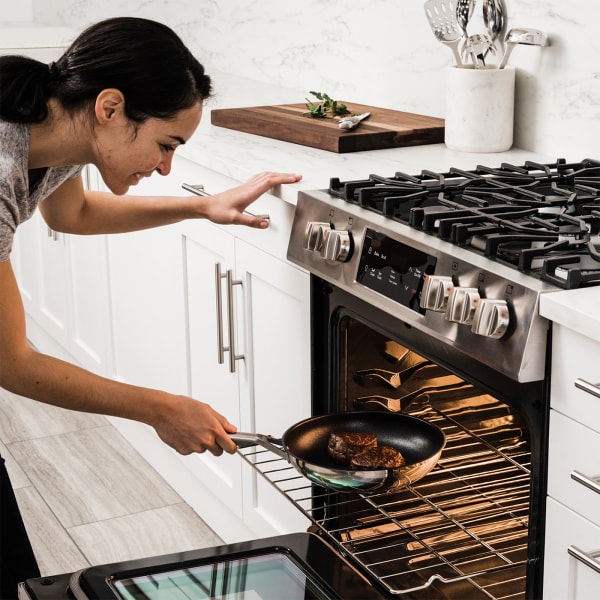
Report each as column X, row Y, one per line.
column 145, row 60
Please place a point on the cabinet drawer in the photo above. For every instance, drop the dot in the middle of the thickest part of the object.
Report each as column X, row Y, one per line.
column 574, row 466
column 567, row 577
column 575, row 360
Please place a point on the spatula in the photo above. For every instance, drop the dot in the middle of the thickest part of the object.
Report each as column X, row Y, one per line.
column 441, row 15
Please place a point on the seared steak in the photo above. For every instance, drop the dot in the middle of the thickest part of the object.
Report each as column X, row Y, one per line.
column 343, row 445
column 380, row 457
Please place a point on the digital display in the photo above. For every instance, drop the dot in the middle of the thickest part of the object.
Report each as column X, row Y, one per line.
column 394, row 269
column 265, row 577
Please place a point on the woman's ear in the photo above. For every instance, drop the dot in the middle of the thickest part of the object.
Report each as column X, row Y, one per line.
column 110, row 103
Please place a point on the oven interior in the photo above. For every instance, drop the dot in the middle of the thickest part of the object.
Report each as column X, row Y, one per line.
column 469, row 529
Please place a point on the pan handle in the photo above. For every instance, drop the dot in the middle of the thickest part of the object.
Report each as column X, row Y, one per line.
column 246, row 440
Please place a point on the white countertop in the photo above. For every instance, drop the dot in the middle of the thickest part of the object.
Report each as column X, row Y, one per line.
column 578, row 310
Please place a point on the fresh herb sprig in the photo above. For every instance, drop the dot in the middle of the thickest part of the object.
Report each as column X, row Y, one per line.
column 326, row 107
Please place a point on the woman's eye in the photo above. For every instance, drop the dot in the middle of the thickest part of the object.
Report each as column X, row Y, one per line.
column 167, row 148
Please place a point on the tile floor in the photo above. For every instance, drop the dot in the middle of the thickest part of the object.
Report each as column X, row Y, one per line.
column 86, row 495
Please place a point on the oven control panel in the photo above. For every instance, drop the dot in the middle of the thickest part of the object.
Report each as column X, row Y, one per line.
column 394, row 269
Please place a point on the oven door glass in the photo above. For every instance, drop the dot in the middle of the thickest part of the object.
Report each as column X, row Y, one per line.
column 268, row 576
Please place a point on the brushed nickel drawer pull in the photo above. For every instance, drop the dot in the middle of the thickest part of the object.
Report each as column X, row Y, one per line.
column 588, row 482
column 219, row 298
column 589, row 559
column 231, row 318
column 590, row 388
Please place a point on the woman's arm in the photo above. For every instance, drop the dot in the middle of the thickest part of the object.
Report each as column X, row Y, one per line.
column 184, row 423
column 71, row 209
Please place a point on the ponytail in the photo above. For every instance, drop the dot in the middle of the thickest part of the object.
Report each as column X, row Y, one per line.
column 25, row 86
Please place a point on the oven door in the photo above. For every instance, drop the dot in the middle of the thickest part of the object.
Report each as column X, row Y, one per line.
column 296, row 567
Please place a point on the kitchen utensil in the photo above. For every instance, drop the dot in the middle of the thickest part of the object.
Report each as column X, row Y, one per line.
column 464, row 12
column 304, row 446
column 352, row 122
column 494, row 20
column 478, row 45
column 525, row 36
column 441, row 15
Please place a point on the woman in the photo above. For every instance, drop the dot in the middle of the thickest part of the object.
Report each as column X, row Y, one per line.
column 123, row 97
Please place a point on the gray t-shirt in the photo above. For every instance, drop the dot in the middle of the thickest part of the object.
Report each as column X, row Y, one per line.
column 17, row 202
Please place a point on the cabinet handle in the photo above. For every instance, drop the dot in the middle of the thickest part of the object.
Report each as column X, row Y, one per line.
column 221, row 348
column 198, row 189
column 53, row 234
column 589, row 559
column 219, row 297
column 231, row 317
column 590, row 388
column 585, row 480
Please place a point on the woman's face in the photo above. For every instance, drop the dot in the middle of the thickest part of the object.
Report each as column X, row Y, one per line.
column 126, row 152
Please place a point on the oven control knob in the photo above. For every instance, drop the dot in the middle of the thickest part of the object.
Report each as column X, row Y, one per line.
column 314, row 234
column 336, row 245
column 435, row 293
column 462, row 303
column 491, row 318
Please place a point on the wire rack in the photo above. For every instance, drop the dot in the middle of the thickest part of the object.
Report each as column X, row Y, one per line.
column 462, row 530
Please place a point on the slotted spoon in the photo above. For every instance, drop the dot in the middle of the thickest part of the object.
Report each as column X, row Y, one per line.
column 441, row 15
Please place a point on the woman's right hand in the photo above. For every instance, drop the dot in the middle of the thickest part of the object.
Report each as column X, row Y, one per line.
column 188, row 426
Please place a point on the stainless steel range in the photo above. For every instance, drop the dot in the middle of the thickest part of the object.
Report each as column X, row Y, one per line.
column 425, row 292
column 462, row 255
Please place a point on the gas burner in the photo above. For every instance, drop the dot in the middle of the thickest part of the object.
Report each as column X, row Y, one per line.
column 520, row 215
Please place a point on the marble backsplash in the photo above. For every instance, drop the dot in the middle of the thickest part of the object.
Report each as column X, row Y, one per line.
column 382, row 53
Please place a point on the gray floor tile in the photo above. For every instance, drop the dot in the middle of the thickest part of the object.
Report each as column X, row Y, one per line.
column 55, row 550
column 25, row 419
column 161, row 531
column 91, row 475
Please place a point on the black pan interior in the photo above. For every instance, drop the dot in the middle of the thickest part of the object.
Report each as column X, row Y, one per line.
column 415, row 438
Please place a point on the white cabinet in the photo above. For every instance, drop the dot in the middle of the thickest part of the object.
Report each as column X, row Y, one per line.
column 63, row 282
column 166, row 329
column 572, row 550
column 236, row 288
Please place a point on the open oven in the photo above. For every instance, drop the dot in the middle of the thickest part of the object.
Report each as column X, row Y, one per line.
column 473, row 527
column 425, row 293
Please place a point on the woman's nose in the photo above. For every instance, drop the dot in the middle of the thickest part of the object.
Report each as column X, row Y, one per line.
column 164, row 167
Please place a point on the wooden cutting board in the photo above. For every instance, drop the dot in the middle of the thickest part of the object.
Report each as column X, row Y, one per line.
column 288, row 122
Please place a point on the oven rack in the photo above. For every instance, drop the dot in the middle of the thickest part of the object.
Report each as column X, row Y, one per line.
column 465, row 525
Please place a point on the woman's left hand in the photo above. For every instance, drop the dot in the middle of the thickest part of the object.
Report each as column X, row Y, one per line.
column 227, row 208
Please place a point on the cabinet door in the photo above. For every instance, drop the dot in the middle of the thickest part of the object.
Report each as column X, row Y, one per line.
column 567, row 577
column 53, row 302
column 25, row 259
column 206, row 246
column 574, row 466
column 275, row 392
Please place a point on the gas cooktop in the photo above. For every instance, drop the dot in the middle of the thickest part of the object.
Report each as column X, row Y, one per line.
column 542, row 219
